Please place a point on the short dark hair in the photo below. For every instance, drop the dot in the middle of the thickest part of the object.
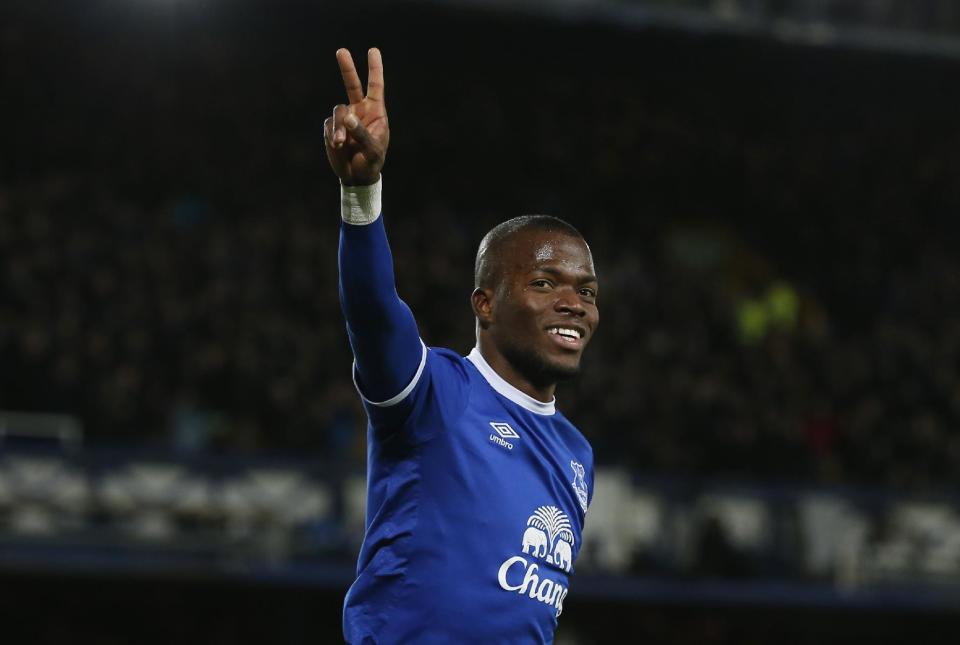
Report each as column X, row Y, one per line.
column 487, row 265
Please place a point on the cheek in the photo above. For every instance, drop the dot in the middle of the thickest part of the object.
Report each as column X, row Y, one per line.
column 522, row 312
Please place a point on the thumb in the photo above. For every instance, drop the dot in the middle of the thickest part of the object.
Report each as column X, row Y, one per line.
column 369, row 147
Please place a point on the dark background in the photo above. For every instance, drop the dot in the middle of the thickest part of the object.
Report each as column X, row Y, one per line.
column 168, row 230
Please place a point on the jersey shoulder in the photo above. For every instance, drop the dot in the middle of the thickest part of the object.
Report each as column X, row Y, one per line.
column 438, row 392
column 573, row 432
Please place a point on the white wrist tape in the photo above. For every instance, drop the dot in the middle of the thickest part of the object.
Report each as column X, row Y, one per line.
column 360, row 204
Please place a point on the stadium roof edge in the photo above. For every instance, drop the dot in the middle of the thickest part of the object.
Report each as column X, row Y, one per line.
column 645, row 16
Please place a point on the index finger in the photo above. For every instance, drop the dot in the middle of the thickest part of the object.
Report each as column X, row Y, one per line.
column 374, row 75
column 350, row 79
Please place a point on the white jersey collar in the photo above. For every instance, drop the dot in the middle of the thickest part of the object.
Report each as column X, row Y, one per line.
column 507, row 390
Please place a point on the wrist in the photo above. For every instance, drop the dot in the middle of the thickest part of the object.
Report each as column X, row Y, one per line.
column 353, row 183
column 361, row 204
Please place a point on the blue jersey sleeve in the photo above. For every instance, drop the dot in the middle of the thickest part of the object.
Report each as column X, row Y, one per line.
column 392, row 369
column 383, row 333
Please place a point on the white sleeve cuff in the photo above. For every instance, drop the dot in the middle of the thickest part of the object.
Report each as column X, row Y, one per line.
column 404, row 393
column 360, row 205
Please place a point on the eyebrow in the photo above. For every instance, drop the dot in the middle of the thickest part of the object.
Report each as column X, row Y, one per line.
column 586, row 278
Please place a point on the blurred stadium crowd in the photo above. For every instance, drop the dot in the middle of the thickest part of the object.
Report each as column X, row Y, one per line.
column 779, row 286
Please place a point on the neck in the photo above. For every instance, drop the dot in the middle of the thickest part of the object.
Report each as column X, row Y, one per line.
column 509, row 373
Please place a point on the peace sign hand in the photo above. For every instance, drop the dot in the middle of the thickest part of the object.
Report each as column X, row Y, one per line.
column 357, row 135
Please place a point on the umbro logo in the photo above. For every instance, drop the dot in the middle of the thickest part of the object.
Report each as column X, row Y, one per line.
column 503, row 432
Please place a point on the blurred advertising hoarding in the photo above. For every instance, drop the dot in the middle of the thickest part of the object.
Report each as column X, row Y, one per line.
column 304, row 519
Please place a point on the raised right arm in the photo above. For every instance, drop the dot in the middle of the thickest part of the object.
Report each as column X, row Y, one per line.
column 382, row 331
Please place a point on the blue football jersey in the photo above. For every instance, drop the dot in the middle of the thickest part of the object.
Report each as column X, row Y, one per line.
column 476, row 500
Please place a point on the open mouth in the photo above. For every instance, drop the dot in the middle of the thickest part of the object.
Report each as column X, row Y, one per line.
column 570, row 337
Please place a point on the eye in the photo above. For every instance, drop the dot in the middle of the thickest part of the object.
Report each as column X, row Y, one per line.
column 541, row 283
column 587, row 292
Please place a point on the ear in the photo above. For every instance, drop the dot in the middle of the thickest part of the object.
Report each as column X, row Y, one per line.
column 482, row 301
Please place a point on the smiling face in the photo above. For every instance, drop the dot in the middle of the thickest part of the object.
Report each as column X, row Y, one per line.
column 539, row 310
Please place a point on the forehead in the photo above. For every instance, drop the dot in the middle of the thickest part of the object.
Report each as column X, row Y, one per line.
column 530, row 250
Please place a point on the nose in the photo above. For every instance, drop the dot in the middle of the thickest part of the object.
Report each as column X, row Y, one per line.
column 568, row 301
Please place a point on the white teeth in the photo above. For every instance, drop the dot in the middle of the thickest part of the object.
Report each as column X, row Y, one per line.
column 563, row 331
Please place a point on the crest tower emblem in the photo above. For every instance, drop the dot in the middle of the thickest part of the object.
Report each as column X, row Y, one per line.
column 580, row 485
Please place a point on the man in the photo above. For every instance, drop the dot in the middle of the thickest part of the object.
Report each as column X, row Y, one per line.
column 477, row 487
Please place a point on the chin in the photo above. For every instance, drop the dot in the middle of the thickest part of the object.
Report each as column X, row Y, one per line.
column 561, row 370
column 543, row 369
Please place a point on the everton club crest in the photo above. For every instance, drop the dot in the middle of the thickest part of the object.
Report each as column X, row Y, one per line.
column 580, row 485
